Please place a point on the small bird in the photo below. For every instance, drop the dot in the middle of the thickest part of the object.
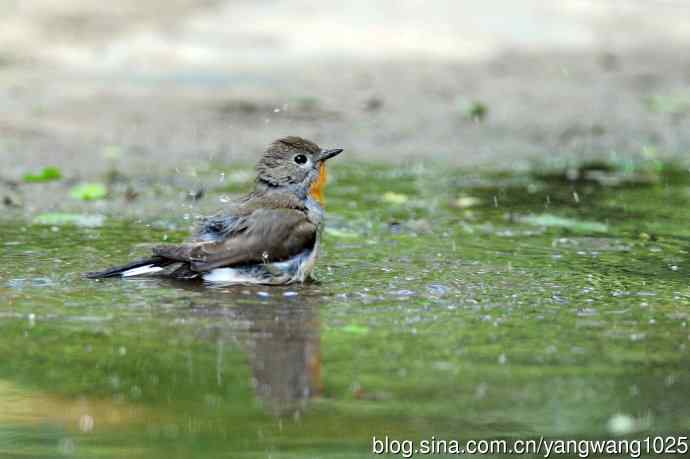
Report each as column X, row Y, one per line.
column 270, row 236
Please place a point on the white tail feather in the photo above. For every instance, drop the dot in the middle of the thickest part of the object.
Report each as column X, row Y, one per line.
column 147, row 269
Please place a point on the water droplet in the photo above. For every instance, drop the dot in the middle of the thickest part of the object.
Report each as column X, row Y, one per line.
column 481, row 390
column 86, row 423
column 135, row 392
column 437, row 289
column 67, row 446
column 621, row 424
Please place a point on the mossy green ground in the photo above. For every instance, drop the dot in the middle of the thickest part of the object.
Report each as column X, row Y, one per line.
column 455, row 305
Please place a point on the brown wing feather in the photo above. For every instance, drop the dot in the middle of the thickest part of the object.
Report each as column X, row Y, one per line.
column 267, row 235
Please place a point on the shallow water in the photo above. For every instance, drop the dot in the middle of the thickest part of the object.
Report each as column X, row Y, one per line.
column 449, row 305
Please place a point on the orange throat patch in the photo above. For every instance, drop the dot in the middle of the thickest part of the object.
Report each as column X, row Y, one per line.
column 316, row 189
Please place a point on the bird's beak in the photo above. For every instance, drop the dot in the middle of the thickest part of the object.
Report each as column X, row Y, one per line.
column 328, row 154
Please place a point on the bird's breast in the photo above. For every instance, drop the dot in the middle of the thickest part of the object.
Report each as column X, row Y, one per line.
column 316, row 190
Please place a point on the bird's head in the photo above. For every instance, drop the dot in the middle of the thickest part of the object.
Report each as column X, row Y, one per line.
column 295, row 164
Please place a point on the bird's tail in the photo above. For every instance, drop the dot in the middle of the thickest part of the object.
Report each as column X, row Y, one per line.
column 136, row 268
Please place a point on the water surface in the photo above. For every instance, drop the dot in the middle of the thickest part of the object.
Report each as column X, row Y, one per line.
column 448, row 304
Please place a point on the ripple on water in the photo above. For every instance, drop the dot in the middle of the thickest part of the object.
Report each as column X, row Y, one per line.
column 447, row 327
column 33, row 282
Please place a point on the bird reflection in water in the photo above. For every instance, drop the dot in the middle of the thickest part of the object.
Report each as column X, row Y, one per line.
column 280, row 334
column 285, row 356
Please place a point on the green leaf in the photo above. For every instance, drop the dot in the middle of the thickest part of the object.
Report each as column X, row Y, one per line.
column 463, row 202
column 355, row 329
column 344, row 234
column 477, row 111
column 394, row 198
column 48, row 174
column 59, row 218
column 112, row 152
column 555, row 221
column 676, row 104
column 89, row 191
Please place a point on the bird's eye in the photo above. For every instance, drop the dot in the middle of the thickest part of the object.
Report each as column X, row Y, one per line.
column 300, row 159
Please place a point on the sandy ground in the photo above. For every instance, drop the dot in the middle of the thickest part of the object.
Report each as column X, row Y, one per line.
column 172, row 84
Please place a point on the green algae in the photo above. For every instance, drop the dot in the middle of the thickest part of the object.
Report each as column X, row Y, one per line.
column 553, row 304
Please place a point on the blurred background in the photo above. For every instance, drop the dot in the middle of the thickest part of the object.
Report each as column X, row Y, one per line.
column 491, row 83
